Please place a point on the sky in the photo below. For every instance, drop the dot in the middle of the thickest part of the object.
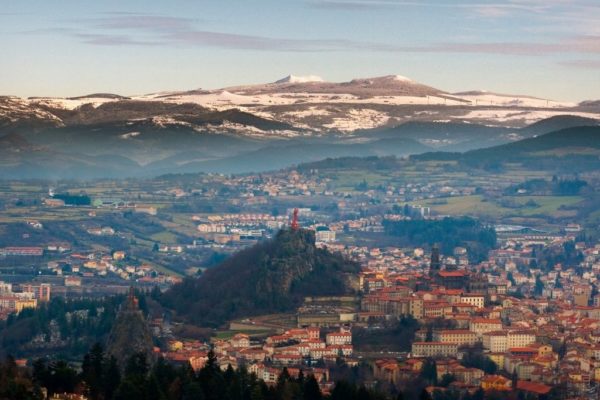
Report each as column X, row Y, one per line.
column 544, row 48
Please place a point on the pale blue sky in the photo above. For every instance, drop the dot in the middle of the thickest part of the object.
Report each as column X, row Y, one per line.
column 546, row 48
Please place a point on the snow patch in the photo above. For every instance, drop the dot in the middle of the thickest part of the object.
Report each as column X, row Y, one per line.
column 129, row 135
column 71, row 104
column 402, row 78
column 483, row 98
column 359, row 119
column 515, row 116
column 310, row 112
column 163, row 122
column 300, row 79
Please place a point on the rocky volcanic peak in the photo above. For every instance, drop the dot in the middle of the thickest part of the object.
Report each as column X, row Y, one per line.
column 391, row 85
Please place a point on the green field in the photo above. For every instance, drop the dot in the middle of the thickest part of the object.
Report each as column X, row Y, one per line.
column 161, row 268
column 347, row 180
column 476, row 205
column 21, row 214
column 165, row 237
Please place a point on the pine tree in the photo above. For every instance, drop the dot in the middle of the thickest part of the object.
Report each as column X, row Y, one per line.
column 311, row 389
column 257, row 393
column 92, row 371
column 111, row 377
column 343, row 391
column 429, row 371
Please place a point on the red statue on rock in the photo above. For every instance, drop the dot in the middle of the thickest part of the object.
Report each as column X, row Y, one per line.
column 295, row 225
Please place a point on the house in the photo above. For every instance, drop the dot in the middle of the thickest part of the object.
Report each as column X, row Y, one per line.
column 240, row 340
column 434, row 349
column 387, row 371
column 533, row 387
column 476, row 300
column 338, row 338
column 22, row 251
column 457, row 336
column 483, row 325
column 495, row 382
column 72, row 281
column 501, row 341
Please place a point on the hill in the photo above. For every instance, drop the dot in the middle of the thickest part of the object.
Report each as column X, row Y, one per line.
column 272, row 276
column 450, row 136
column 573, row 149
column 557, row 123
column 562, row 142
column 285, row 154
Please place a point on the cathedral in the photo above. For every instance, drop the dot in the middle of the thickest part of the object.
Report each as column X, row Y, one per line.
column 450, row 277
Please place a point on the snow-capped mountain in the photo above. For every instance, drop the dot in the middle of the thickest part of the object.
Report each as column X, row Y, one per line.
column 292, row 106
column 261, row 127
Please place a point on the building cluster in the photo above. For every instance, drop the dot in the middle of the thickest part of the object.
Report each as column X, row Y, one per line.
column 536, row 343
column 300, row 349
column 15, row 298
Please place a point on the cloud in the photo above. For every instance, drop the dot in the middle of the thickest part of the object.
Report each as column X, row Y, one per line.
column 479, row 6
column 582, row 64
column 251, row 42
column 112, row 40
column 141, row 29
column 584, row 44
column 481, row 9
column 153, row 23
column 152, row 30
column 360, row 5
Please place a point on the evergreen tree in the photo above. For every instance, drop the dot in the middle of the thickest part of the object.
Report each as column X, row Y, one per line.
column 129, row 390
column 311, row 389
column 111, row 377
column 193, row 391
column 539, row 286
column 557, row 283
column 61, row 378
column 343, row 391
column 92, row 371
column 429, row 371
column 257, row 393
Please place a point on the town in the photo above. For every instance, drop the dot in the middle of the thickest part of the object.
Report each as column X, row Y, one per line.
column 521, row 313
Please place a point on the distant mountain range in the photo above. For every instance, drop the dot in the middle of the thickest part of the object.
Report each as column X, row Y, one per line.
column 261, row 127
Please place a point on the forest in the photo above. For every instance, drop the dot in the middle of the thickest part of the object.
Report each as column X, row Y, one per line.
column 448, row 232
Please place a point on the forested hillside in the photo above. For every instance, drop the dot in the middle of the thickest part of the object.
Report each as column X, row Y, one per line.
column 272, row 276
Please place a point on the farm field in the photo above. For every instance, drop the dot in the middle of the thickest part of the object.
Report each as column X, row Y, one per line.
column 520, row 206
